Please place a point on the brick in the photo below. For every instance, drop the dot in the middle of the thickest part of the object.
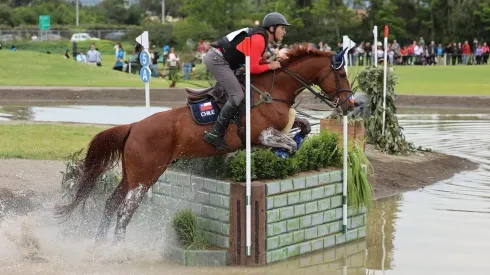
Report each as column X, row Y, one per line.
column 222, row 215
column 279, row 255
column 286, row 212
column 351, row 235
column 162, row 177
column 189, row 195
column 286, row 185
column 298, row 236
column 184, row 179
column 323, row 178
column 177, row 192
column 270, row 230
column 339, row 213
column 324, row 204
column 268, row 256
column 311, row 233
column 357, row 221
column 223, row 188
column 329, row 215
column 166, row 189
column 362, row 232
column 317, row 245
column 335, row 227
column 279, row 227
column 226, row 202
column 272, row 215
column 211, row 237
column 280, row 201
column 339, row 188
column 270, row 203
column 286, row 239
column 304, row 248
column 336, row 176
column 293, row 198
column 317, row 218
column 209, row 211
column 210, row 185
column 204, row 223
column 293, row 224
column 171, row 177
column 299, row 183
column 323, row 229
column 317, row 193
column 305, row 221
column 329, row 190
column 351, row 211
column 272, row 188
column 222, row 241
column 329, row 241
column 336, row 201
column 339, row 239
column 215, row 199
column 299, row 210
column 272, row 243
column 311, row 207
column 202, row 197
column 312, row 181
column 293, row 250
column 226, row 229
column 305, row 196
column 197, row 183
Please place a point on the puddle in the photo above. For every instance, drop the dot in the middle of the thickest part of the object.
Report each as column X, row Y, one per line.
column 441, row 229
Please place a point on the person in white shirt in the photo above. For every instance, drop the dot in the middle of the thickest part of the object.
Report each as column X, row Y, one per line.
column 172, row 62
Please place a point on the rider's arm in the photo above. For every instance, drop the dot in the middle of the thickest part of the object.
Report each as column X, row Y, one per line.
column 257, row 47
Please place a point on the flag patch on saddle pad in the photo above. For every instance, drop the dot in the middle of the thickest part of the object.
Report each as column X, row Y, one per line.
column 206, row 106
column 204, row 112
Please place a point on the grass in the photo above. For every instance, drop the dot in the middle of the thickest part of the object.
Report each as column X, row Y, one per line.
column 28, row 68
column 44, row 141
column 440, row 80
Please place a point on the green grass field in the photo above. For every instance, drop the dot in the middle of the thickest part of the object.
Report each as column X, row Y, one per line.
column 28, row 68
column 44, row 141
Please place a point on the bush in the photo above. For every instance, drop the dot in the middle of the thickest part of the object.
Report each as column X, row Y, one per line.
column 393, row 141
column 189, row 234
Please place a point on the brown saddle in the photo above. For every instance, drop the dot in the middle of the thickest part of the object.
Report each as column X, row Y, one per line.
column 216, row 92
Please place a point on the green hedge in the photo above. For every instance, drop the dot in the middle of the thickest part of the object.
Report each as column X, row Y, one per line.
column 317, row 152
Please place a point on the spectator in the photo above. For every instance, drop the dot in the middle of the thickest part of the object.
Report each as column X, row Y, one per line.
column 81, row 57
column 486, row 51
column 466, row 52
column 440, row 53
column 173, row 63
column 92, row 55
column 119, row 65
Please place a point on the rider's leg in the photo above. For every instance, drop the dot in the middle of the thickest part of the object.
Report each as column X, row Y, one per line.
column 226, row 78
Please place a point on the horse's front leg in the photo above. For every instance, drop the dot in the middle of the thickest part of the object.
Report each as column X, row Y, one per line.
column 304, row 125
column 274, row 138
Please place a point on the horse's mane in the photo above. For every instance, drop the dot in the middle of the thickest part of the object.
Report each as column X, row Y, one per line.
column 302, row 50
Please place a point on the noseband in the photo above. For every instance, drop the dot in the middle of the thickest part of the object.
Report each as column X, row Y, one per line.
column 333, row 101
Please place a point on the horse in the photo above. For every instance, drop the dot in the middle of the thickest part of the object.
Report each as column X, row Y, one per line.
column 146, row 148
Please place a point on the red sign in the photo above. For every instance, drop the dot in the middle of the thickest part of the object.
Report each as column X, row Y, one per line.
column 386, row 31
column 244, row 46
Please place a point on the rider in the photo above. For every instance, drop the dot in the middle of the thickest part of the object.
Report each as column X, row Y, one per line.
column 223, row 58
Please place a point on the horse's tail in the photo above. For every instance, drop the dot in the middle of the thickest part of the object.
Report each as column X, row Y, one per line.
column 104, row 150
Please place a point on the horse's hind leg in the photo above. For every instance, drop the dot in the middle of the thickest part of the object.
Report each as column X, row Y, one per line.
column 127, row 209
column 111, row 206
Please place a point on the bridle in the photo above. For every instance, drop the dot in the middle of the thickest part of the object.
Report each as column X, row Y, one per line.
column 334, row 101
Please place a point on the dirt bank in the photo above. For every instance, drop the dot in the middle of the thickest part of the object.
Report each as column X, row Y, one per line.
column 23, row 95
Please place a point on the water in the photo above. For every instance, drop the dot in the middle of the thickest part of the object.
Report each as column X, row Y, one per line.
column 441, row 229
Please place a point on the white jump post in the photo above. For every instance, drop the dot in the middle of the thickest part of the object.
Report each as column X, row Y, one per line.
column 349, row 44
column 375, row 33
column 244, row 47
column 385, row 64
column 145, row 73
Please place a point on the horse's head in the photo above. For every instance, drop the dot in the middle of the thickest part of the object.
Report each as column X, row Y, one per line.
column 325, row 70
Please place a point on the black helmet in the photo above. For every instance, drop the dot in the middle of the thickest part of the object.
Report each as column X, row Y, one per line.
column 274, row 19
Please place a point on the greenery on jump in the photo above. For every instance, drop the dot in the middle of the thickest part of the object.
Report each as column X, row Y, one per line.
column 189, row 234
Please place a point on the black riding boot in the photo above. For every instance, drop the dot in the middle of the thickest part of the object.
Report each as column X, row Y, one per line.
column 217, row 134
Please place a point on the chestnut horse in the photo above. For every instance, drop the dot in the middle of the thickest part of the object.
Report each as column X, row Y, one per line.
column 148, row 146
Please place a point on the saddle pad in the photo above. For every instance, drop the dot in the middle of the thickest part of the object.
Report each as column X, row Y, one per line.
column 204, row 112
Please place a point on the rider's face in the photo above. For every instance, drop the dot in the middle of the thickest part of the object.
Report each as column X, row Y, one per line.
column 280, row 32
